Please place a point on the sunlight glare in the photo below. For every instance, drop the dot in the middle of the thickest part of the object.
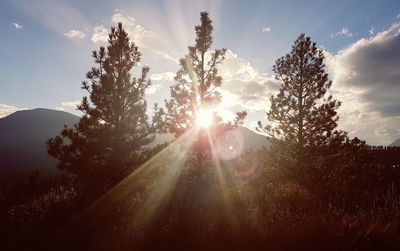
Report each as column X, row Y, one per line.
column 204, row 118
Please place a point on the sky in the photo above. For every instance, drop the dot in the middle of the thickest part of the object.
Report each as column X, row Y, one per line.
column 45, row 51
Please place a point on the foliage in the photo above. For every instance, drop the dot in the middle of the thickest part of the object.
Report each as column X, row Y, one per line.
column 32, row 206
column 111, row 136
column 197, row 88
column 235, row 214
column 302, row 118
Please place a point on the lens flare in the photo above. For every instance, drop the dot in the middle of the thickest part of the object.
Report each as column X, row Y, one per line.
column 251, row 172
column 229, row 145
column 204, row 118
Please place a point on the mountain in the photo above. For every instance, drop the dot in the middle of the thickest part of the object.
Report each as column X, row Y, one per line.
column 253, row 140
column 396, row 143
column 23, row 137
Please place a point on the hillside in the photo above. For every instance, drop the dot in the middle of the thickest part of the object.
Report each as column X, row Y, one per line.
column 23, row 137
column 396, row 143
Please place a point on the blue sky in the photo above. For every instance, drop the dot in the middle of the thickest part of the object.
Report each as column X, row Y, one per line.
column 45, row 49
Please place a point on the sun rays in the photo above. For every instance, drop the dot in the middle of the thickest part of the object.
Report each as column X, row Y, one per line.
column 204, row 118
column 144, row 194
column 168, row 194
column 147, row 193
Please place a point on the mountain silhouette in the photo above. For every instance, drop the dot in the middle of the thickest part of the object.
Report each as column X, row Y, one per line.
column 396, row 143
column 23, row 137
column 251, row 139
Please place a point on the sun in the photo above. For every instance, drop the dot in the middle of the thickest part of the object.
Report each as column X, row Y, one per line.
column 204, row 118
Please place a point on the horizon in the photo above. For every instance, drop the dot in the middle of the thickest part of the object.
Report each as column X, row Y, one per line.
column 360, row 48
column 243, row 126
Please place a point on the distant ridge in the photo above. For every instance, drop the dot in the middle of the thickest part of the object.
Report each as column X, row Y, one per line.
column 251, row 139
column 396, row 143
column 23, row 137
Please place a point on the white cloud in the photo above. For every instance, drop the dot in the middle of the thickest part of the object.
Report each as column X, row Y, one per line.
column 244, row 85
column 70, row 104
column 157, row 79
column 236, row 68
column 100, row 34
column 166, row 76
column 228, row 104
column 75, row 34
column 153, row 88
column 57, row 16
column 266, row 29
column 371, row 31
column 344, row 32
column 130, row 23
column 365, row 78
column 60, row 108
column 228, row 99
column 6, row 110
column 17, row 26
column 144, row 38
column 147, row 40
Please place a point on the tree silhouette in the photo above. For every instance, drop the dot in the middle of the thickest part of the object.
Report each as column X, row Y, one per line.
column 110, row 138
column 196, row 88
column 302, row 116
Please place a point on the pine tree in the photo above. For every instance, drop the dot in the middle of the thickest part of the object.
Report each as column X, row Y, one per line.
column 110, row 138
column 196, row 88
column 302, row 118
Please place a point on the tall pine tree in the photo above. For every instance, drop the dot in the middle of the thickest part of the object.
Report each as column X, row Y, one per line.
column 109, row 140
column 196, row 89
column 302, row 118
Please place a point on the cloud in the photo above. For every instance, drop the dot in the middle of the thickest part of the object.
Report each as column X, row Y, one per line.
column 371, row 31
column 75, row 34
column 57, row 16
column 166, row 76
column 100, row 34
column 250, row 89
column 344, row 32
column 60, row 108
column 144, row 38
column 17, row 26
column 366, row 78
column 134, row 29
column 237, row 68
column 370, row 67
column 266, row 29
column 157, row 80
column 70, row 104
column 153, row 88
column 6, row 110
column 147, row 40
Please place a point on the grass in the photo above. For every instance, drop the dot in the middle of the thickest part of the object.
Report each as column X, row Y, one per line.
column 200, row 214
column 167, row 206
